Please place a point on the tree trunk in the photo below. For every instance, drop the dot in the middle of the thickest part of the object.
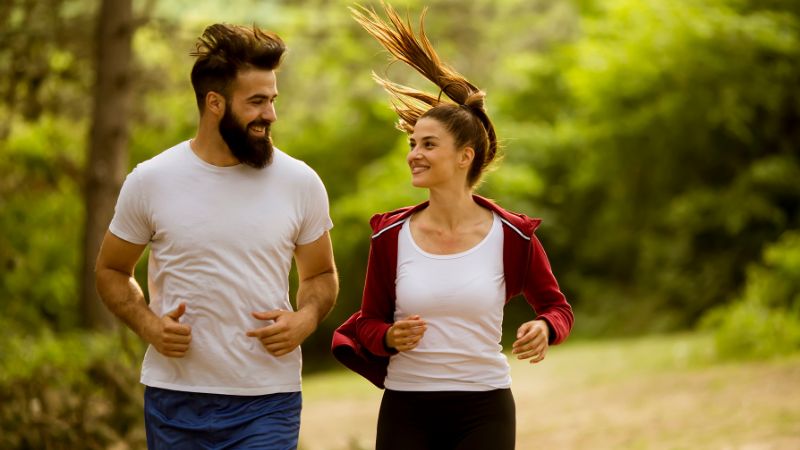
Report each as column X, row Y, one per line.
column 108, row 145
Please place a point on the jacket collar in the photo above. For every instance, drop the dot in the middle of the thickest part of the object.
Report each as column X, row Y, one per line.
column 523, row 225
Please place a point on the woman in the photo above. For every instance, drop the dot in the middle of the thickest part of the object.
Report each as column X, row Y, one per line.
column 440, row 273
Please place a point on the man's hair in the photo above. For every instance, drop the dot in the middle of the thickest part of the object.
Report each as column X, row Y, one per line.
column 463, row 115
column 223, row 50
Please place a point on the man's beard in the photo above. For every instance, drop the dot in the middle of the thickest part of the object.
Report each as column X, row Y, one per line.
column 255, row 151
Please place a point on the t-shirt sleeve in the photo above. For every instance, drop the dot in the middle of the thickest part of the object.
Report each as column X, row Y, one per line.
column 316, row 211
column 130, row 221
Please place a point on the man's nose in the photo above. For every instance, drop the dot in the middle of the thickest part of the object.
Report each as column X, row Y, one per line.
column 269, row 114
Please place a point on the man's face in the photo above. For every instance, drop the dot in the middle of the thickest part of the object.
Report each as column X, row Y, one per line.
column 249, row 112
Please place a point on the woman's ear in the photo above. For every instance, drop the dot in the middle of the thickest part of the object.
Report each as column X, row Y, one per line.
column 467, row 155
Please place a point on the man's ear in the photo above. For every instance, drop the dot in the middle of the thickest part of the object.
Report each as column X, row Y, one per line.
column 467, row 155
column 215, row 103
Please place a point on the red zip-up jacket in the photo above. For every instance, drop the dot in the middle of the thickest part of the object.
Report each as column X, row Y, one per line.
column 359, row 342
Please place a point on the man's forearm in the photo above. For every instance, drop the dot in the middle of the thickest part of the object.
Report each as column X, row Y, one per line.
column 318, row 294
column 124, row 298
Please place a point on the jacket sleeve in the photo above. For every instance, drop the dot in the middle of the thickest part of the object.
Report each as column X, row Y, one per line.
column 543, row 294
column 377, row 303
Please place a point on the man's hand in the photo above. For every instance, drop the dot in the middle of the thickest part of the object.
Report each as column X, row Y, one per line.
column 288, row 330
column 532, row 341
column 405, row 334
column 169, row 336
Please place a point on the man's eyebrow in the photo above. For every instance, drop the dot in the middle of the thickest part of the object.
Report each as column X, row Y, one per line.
column 260, row 96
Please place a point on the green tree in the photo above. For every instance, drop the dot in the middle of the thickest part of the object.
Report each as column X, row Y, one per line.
column 43, row 61
column 668, row 153
column 107, row 163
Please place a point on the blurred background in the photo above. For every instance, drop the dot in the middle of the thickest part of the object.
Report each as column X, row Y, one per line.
column 659, row 141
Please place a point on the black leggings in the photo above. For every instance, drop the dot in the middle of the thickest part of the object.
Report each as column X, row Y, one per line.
column 450, row 420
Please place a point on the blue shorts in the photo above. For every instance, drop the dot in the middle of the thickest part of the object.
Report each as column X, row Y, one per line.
column 176, row 420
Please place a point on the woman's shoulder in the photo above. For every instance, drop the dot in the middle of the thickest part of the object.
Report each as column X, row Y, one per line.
column 519, row 222
column 382, row 222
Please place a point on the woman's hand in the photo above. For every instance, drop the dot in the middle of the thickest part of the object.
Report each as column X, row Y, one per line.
column 532, row 341
column 406, row 333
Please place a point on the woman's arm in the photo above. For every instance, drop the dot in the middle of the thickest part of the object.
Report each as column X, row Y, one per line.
column 543, row 294
column 377, row 302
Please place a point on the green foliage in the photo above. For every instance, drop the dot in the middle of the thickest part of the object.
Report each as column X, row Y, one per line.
column 765, row 321
column 776, row 282
column 166, row 112
column 670, row 159
column 40, row 227
column 751, row 329
column 69, row 391
column 45, row 53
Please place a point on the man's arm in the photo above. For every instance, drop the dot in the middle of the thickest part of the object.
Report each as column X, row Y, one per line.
column 124, row 297
column 316, row 295
column 319, row 282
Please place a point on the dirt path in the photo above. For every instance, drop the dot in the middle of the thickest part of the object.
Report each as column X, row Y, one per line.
column 655, row 393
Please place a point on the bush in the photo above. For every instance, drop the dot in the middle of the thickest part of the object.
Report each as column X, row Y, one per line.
column 766, row 320
column 70, row 391
column 751, row 329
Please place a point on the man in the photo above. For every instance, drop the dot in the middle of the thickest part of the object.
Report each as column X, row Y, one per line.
column 223, row 213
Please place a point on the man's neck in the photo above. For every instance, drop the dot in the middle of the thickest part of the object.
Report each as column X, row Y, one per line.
column 209, row 146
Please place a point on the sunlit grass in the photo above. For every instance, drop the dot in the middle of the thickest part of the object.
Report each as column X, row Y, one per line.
column 658, row 392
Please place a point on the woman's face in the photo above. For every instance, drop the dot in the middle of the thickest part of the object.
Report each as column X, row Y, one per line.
column 433, row 157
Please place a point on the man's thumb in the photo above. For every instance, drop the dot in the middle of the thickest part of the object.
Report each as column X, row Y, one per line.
column 176, row 313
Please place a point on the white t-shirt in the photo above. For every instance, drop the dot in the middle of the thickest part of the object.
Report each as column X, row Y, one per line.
column 461, row 297
column 221, row 240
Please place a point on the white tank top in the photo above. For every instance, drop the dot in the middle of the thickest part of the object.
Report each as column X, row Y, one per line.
column 461, row 297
